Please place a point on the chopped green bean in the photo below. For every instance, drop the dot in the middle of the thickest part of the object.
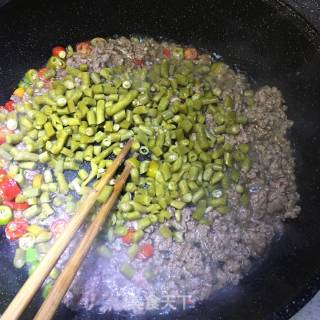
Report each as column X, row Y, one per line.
column 127, row 270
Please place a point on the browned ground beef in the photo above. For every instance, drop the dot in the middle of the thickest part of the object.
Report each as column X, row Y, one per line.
column 210, row 257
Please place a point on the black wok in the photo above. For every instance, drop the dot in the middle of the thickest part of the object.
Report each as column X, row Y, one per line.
column 268, row 41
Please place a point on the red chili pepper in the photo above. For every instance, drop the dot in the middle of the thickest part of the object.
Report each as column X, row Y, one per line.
column 16, row 228
column 9, row 105
column 3, row 175
column 146, row 251
column 83, row 47
column 166, row 52
column 2, row 138
column 58, row 226
column 9, row 189
column 128, row 238
column 3, row 132
column 42, row 73
column 59, row 52
column 138, row 62
column 16, row 206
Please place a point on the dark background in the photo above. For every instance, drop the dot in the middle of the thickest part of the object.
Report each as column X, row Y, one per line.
column 308, row 8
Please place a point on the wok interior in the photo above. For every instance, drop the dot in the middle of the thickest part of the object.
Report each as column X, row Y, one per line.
column 271, row 47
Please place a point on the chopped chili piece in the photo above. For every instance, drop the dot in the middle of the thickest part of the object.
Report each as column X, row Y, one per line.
column 16, row 206
column 2, row 138
column 128, row 238
column 59, row 52
column 9, row 105
column 42, row 73
column 3, row 174
column 9, row 189
column 166, row 52
column 138, row 62
column 146, row 251
column 16, row 228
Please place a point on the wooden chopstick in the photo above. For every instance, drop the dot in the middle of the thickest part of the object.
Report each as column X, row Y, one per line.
column 69, row 271
column 33, row 283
